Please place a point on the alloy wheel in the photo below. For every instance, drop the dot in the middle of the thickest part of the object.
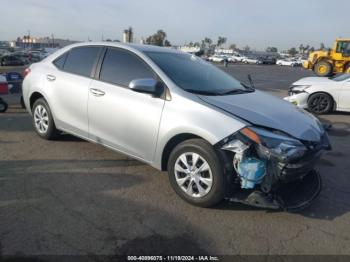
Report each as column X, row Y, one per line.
column 41, row 119
column 319, row 104
column 193, row 174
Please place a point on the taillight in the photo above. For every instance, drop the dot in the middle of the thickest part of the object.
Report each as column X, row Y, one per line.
column 26, row 72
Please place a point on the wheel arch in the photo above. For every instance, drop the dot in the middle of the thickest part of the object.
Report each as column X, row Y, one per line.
column 324, row 92
column 172, row 143
column 33, row 97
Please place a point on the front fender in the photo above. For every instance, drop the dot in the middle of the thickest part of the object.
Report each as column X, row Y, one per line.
column 185, row 116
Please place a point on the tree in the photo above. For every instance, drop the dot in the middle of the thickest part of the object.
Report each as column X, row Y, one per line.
column 272, row 49
column 221, row 40
column 301, row 49
column 158, row 39
column 306, row 48
column 322, row 46
column 208, row 41
column 246, row 48
column 167, row 43
column 233, row 46
column 293, row 51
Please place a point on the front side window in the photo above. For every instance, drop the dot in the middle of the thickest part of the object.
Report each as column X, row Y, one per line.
column 195, row 75
column 340, row 77
column 121, row 67
column 343, row 47
column 81, row 60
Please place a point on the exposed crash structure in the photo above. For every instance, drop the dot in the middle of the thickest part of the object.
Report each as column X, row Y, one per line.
column 274, row 170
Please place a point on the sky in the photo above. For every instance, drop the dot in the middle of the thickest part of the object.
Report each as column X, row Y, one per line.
column 257, row 23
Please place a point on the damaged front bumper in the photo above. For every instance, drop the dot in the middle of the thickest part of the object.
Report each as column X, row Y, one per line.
column 276, row 173
column 298, row 99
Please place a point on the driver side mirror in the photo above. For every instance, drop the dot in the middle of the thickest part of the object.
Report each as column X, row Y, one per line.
column 147, row 85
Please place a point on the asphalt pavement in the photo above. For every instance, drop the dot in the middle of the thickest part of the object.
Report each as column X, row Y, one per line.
column 73, row 197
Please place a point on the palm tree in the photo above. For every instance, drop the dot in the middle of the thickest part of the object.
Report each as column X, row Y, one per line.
column 221, row 40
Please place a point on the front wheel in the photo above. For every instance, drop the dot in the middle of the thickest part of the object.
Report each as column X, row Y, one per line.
column 323, row 68
column 196, row 173
column 320, row 103
column 43, row 122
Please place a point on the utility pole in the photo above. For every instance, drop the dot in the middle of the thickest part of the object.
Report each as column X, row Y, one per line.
column 53, row 40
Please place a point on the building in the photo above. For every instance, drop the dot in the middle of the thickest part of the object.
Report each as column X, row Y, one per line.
column 189, row 49
column 28, row 41
column 128, row 35
column 223, row 51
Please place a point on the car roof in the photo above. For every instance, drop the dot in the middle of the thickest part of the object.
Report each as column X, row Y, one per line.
column 138, row 47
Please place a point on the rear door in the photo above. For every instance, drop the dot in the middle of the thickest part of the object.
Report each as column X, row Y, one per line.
column 119, row 117
column 68, row 85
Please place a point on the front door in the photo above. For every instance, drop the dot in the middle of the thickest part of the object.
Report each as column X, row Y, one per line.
column 119, row 117
column 344, row 97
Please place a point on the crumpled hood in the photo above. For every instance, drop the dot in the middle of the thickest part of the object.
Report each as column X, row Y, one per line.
column 312, row 81
column 262, row 109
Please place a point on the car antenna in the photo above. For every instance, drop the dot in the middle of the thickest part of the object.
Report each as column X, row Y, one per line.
column 251, row 82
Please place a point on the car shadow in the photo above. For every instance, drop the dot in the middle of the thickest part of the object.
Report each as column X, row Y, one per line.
column 60, row 211
column 64, row 137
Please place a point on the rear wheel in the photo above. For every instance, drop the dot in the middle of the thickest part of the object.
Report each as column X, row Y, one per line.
column 323, row 68
column 22, row 103
column 320, row 103
column 3, row 106
column 43, row 122
column 347, row 68
column 196, row 173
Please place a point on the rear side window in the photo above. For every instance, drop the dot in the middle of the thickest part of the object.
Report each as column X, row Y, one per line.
column 59, row 62
column 80, row 60
column 121, row 67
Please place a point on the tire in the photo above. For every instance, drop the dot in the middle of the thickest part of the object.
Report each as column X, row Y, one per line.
column 347, row 68
column 213, row 190
column 323, row 68
column 3, row 106
column 22, row 103
column 42, row 117
column 320, row 103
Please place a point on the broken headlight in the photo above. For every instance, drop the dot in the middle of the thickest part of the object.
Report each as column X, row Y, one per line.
column 297, row 89
column 274, row 144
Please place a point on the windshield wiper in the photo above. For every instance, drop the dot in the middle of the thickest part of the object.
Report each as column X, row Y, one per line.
column 236, row 91
column 203, row 92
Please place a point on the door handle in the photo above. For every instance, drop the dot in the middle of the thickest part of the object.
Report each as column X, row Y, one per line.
column 51, row 77
column 97, row 92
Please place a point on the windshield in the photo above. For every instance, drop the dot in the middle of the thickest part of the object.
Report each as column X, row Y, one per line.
column 340, row 77
column 195, row 75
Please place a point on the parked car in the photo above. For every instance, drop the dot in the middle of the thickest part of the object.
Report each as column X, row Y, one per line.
column 321, row 95
column 217, row 58
column 235, row 58
column 216, row 137
column 4, row 90
column 250, row 60
column 10, row 60
column 35, row 56
column 283, row 62
column 266, row 60
column 23, row 56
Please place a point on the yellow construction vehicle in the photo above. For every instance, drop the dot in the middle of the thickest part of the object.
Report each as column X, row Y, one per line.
column 332, row 61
